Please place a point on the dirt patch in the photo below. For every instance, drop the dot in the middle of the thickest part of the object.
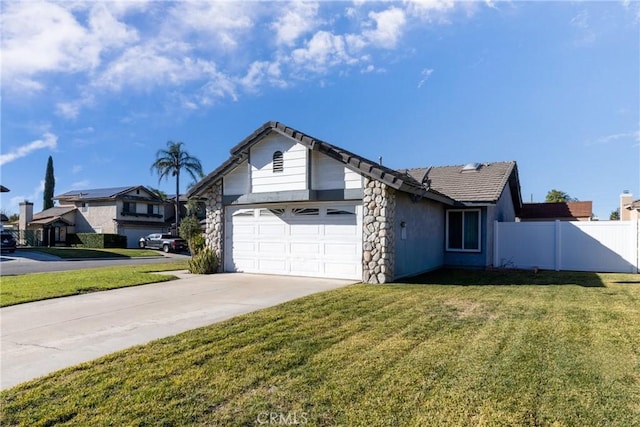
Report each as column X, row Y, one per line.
column 465, row 309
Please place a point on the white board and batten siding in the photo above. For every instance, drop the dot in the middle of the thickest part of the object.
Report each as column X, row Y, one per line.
column 329, row 174
column 294, row 173
column 258, row 176
column 602, row 246
column 309, row 239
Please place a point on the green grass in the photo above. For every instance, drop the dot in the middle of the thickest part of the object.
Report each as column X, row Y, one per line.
column 505, row 354
column 39, row 286
column 96, row 253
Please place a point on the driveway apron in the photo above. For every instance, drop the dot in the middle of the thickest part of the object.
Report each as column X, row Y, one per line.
column 41, row 337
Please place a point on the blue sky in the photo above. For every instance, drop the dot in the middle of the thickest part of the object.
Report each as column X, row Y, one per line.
column 101, row 86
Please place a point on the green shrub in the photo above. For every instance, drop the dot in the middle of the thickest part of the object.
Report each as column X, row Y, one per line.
column 100, row 240
column 198, row 244
column 203, row 262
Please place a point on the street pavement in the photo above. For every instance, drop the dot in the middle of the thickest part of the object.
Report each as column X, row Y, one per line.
column 41, row 337
column 24, row 262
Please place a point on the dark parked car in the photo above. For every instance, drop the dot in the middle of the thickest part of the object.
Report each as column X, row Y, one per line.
column 166, row 242
column 8, row 242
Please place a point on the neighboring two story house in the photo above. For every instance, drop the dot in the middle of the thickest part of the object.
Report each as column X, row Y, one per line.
column 133, row 212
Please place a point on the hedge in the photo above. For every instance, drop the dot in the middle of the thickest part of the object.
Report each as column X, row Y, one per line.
column 97, row 240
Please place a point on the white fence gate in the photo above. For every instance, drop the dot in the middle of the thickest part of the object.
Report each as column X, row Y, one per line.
column 607, row 246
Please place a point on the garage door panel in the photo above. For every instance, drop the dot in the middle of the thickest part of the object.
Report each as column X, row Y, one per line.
column 340, row 230
column 271, row 265
column 271, row 248
column 298, row 239
column 304, row 229
column 333, row 269
column 337, row 250
column 240, row 229
column 243, row 247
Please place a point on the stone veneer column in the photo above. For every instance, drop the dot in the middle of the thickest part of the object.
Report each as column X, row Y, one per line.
column 214, row 229
column 378, row 257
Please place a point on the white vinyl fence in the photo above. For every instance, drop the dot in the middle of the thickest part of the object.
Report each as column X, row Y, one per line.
column 603, row 246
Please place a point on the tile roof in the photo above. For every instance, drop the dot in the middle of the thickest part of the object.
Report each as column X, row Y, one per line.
column 54, row 211
column 560, row 210
column 474, row 186
column 51, row 215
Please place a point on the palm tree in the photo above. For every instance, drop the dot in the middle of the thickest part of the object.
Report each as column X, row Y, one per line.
column 170, row 162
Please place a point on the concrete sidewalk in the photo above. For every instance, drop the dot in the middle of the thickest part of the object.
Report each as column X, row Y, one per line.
column 41, row 337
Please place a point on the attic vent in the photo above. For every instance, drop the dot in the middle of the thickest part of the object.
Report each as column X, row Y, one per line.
column 278, row 162
column 470, row 167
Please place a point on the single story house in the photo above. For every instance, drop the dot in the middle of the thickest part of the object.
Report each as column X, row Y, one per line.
column 288, row 203
column 561, row 211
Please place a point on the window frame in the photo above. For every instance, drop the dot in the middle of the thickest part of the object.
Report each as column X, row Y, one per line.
column 447, row 226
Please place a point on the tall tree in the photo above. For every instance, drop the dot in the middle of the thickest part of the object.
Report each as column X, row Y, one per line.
column 171, row 161
column 556, row 196
column 49, row 185
column 615, row 215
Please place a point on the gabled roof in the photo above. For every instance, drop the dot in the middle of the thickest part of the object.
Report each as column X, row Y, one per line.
column 558, row 210
column 394, row 179
column 102, row 193
column 51, row 215
column 482, row 184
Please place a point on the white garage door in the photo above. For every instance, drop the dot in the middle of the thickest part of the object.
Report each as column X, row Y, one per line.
column 134, row 234
column 320, row 240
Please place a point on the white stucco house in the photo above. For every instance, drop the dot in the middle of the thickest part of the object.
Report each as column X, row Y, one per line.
column 288, row 203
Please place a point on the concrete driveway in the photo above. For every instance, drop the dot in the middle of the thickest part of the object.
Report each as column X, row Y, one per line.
column 41, row 337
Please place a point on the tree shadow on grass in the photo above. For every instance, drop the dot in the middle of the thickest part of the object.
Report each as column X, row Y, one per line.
column 458, row 277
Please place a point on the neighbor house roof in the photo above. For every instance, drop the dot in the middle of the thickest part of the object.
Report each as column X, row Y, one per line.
column 394, row 179
column 559, row 210
column 472, row 183
column 101, row 193
column 633, row 205
column 51, row 215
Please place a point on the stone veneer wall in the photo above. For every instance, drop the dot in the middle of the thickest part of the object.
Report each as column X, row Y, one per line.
column 214, row 231
column 377, row 234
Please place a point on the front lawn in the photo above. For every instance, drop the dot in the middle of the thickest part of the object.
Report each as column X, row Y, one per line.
column 39, row 286
column 441, row 354
column 68, row 253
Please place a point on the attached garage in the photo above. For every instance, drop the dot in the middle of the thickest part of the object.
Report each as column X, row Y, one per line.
column 304, row 239
column 134, row 233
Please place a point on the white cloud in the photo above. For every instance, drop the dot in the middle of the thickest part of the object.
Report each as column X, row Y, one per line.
column 76, row 169
column 15, row 201
column 388, row 27
column 220, row 24
column 48, row 140
column 323, row 51
column 46, row 37
column 301, row 17
column 79, row 185
column 260, row 72
column 194, row 52
column 431, row 10
column 624, row 136
column 425, row 74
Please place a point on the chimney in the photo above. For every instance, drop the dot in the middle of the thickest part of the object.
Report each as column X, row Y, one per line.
column 26, row 216
column 626, row 199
